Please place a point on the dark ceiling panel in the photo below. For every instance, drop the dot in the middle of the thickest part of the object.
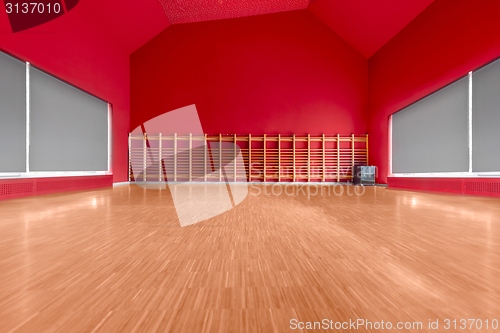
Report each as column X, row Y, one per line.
column 70, row 4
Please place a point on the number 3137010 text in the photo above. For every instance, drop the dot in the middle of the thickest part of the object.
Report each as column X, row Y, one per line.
column 33, row 8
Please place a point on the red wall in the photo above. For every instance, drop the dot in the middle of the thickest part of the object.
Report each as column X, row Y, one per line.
column 277, row 73
column 74, row 50
column 449, row 39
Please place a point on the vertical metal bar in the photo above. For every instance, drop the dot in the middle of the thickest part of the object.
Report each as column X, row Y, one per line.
column 28, row 117
column 129, row 157
column 338, row 158
column 205, row 153
column 323, row 144
column 220, row 157
column 234, row 157
column 352, row 154
column 145, row 156
column 190, row 156
column 470, row 122
column 293, row 159
column 265, row 159
column 175, row 157
column 390, row 145
column 367, row 155
column 160, row 156
column 279, row 157
column 308, row 157
column 249, row 157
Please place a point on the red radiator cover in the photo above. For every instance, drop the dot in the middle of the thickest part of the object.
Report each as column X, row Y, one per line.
column 23, row 187
column 470, row 186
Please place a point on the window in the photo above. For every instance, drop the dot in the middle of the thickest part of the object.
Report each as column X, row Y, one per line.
column 48, row 127
column 452, row 132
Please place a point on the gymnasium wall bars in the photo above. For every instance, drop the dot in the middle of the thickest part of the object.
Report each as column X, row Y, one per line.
column 266, row 158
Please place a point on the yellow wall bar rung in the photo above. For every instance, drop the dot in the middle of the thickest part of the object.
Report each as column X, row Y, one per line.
column 293, row 144
column 265, row 158
column 323, row 143
column 279, row 157
column 308, row 157
column 190, row 156
column 338, row 158
column 352, row 151
column 234, row 157
column 249, row 157
column 220, row 157
column 175, row 157
column 367, row 153
column 205, row 160
column 160, row 159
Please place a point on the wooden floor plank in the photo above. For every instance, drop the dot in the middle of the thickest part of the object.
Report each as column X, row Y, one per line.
column 117, row 260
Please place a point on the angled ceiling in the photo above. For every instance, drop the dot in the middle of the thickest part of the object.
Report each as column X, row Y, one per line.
column 128, row 23
column 186, row 11
column 367, row 24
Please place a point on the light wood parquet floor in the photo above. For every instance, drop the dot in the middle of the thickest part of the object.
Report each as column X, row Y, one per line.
column 117, row 260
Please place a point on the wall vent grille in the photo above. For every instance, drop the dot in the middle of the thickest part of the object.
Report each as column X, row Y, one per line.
column 482, row 186
column 17, row 188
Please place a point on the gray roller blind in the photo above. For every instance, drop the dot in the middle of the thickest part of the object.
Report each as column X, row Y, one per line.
column 69, row 128
column 432, row 134
column 12, row 114
column 486, row 118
